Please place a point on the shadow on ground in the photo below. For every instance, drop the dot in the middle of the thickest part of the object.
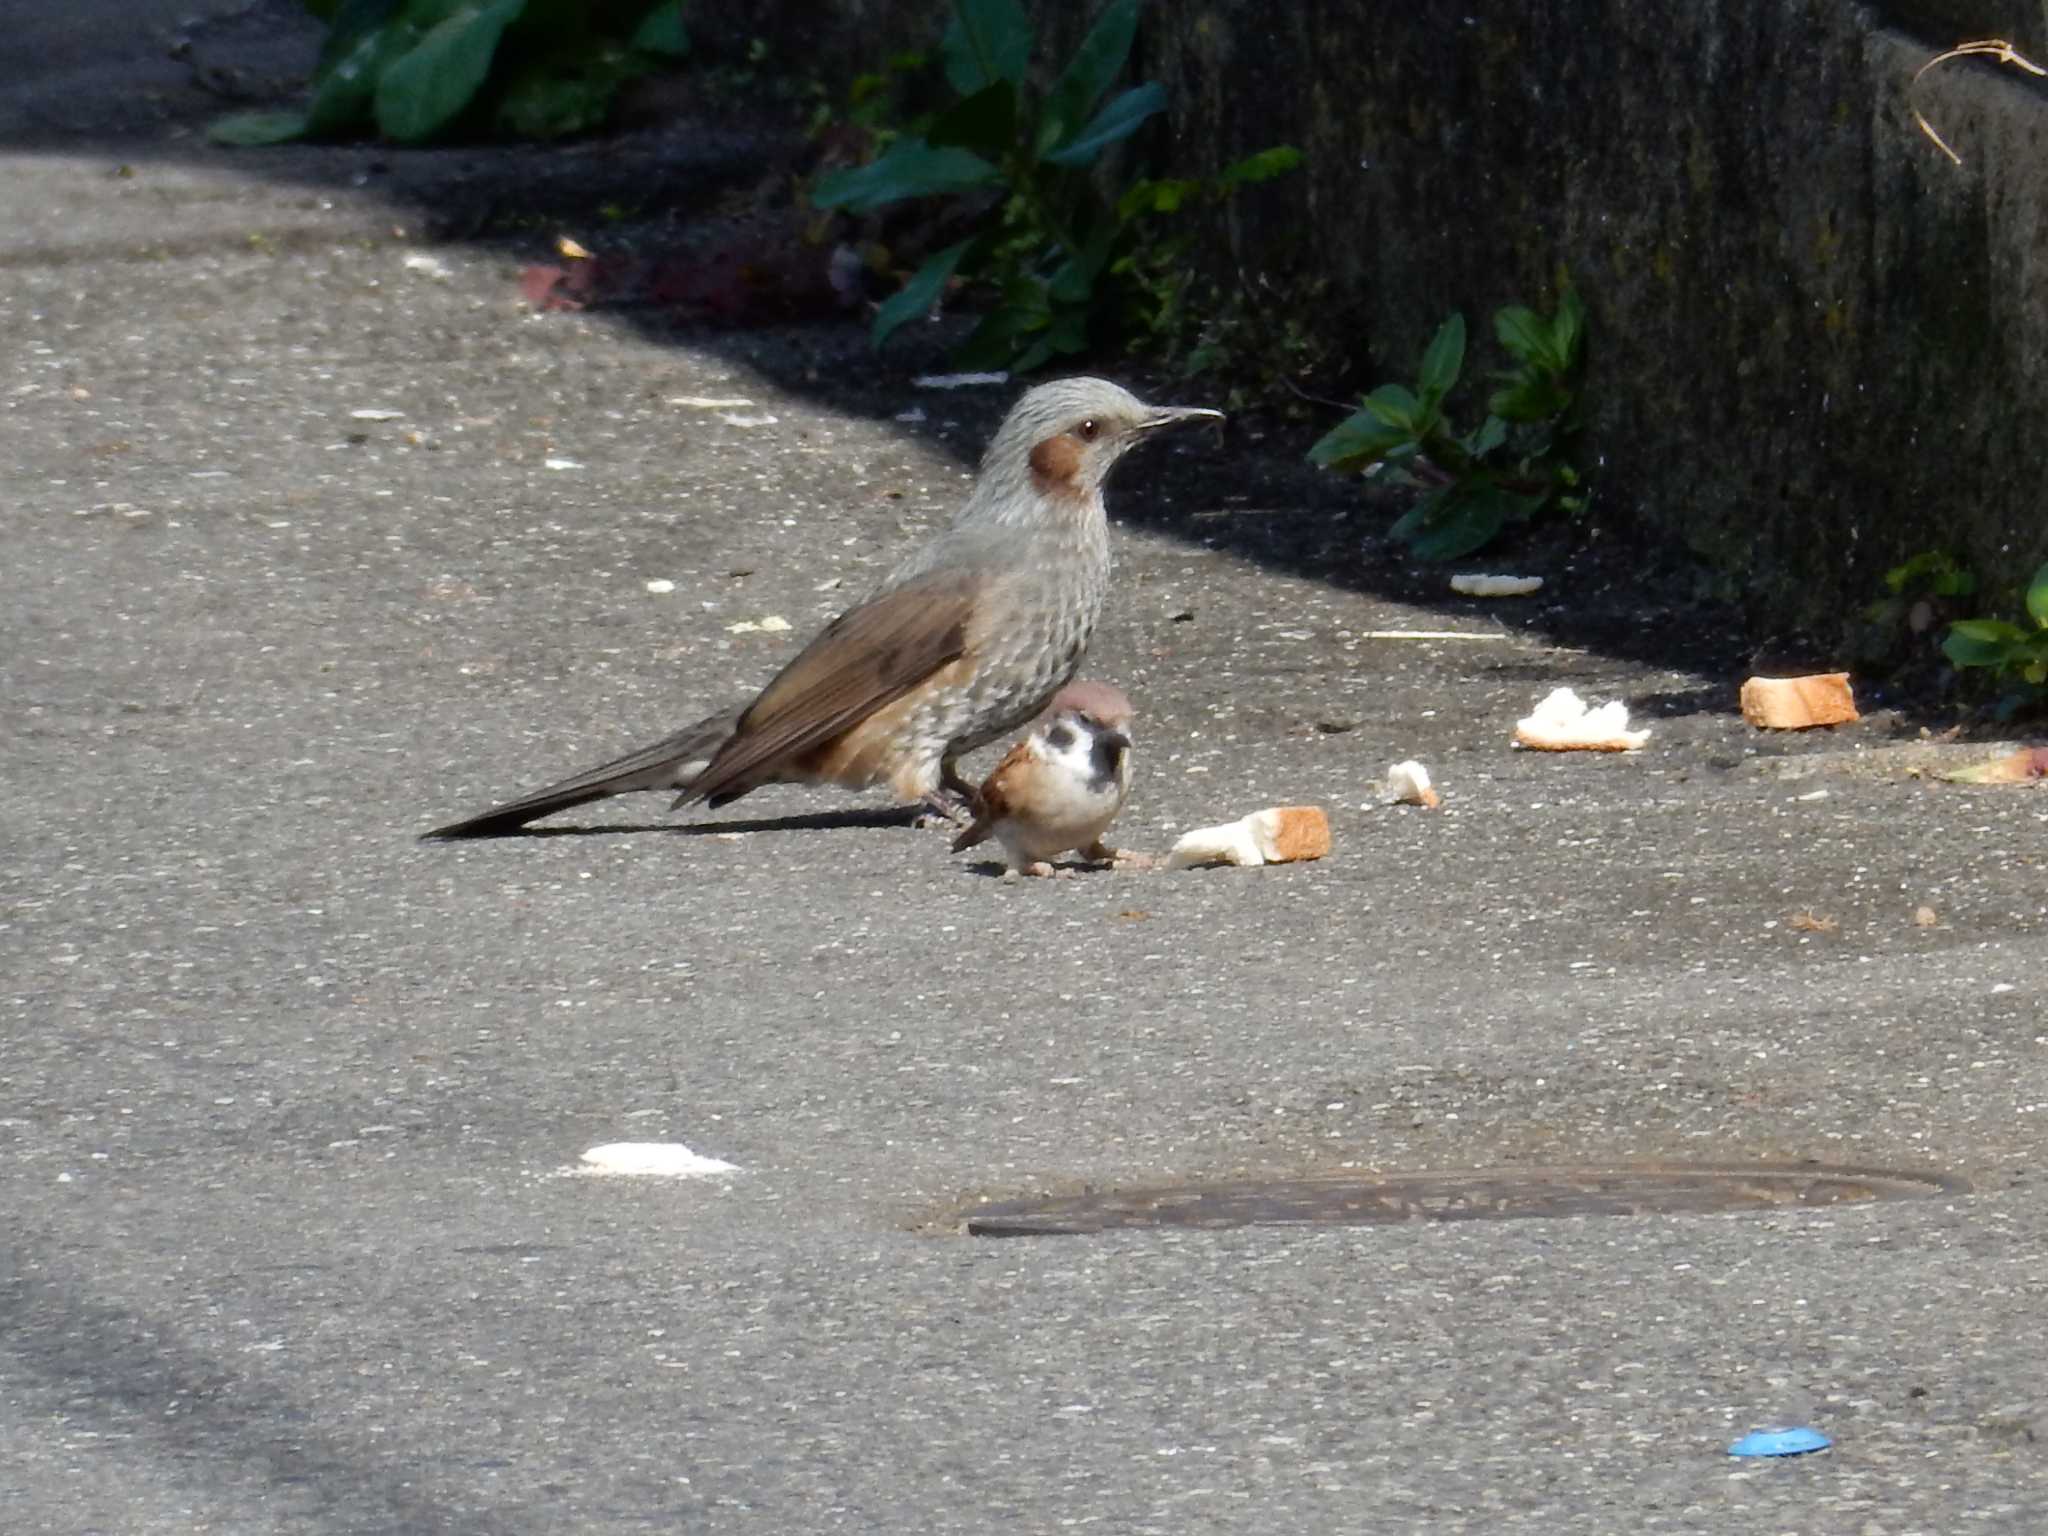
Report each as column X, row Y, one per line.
column 681, row 176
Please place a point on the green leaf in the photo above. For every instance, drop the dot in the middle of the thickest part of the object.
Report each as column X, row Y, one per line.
column 1155, row 197
column 2037, row 597
column 1066, row 335
column 661, row 31
column 1531, row 395
column 1491, row 434
column 914, row 300
column 344, row 91
column 911, row 168
column 985, row 122
column 1006, row 334
column 1936, row 569
column 1095, row 64
column 1458, row 530
column 351, row 23
column 1442, row 360
column 989, row 40
column 563, row 92
column 422, row 93
column 1074, row 281
column 1118, row 120
column 1356, row 442
column 1469, row 516
column 1981, row 642
column 1397, row 407
column 1526, row 334
column 1263, row 166
column 1416, row 519
column 249, row 128
column 1568, row 329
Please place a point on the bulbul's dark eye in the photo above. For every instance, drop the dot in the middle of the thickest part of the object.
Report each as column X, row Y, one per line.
column 1089, row 430
column 1059, row 738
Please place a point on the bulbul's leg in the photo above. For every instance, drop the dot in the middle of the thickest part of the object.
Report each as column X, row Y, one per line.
column 951, row 782
column 943, row 811
column 954, row 803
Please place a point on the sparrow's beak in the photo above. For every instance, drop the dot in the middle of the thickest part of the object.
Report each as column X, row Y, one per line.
column 1116, row 741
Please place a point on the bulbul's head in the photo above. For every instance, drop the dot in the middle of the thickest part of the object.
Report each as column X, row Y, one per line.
column 1059, row 442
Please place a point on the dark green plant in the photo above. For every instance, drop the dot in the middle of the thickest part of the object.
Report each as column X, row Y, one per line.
column 1511, row 466
column 1158, row 273
column 1916, row 590
column 1064, row 261
column 2014, row 654
column 871, row 100
column 418, row 70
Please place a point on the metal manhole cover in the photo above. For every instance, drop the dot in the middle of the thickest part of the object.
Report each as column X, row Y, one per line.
column 1489, row 1194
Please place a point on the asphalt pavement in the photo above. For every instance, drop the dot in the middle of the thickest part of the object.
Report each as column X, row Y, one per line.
column 316, row 536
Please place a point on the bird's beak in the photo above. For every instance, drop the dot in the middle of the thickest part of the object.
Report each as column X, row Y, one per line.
column 1173, row 415
column 1116, row 741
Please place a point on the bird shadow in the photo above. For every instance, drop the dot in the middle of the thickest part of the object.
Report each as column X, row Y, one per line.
column 1063, row 869
column 807, row 821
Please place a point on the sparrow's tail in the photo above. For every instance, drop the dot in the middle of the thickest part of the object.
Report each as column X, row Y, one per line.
column 671, row 763
column 976, row 832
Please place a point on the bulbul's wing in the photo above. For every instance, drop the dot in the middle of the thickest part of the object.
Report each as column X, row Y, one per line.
column 663, row 765
column 992, row 805
column 865, row 659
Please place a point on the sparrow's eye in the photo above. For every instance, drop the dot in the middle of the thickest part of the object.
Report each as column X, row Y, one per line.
column 1089, row 430
column 1060, row 737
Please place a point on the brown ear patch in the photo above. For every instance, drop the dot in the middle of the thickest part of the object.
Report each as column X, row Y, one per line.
column 1056, row 465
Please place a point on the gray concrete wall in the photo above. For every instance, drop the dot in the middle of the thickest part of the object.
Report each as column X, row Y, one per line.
column 1818, row 347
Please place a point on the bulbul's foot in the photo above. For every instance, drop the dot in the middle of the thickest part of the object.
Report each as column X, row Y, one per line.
column 944, row 812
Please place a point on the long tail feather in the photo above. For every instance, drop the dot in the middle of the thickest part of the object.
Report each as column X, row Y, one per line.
column 670, row 763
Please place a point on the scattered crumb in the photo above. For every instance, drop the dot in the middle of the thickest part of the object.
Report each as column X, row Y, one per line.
column 1798, row 703
column 1281, row 834
column 1564, row 723
column 1408, row 784
column 1496, row 586
column 648, row 1159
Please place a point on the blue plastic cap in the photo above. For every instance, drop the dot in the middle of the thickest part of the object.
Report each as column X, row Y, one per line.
column 1780, row 1442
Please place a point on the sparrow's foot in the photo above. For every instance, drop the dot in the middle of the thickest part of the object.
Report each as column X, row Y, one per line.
column 1037, row 869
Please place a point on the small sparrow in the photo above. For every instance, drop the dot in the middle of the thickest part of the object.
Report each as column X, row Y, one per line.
column 1060, row 787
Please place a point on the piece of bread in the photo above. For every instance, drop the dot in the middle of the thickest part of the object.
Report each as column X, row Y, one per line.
column 1409, row 782
column 1478, row 585
column 1563, row 723
column 1798, row 703
column 1287, row 833
column 1281, row 834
